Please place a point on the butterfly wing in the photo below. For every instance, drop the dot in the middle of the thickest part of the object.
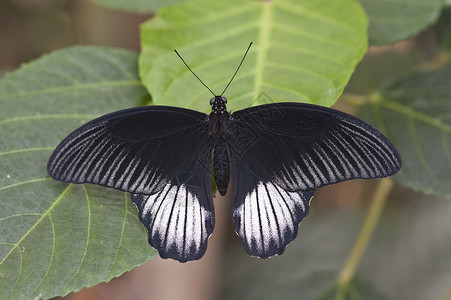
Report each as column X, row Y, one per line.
column 265, row 215
column 160, row 154
column 304, row 146
column 179, row 218
column 288, row 150
column 136, row 150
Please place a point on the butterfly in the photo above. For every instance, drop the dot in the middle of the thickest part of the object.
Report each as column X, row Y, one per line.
column 270, row 158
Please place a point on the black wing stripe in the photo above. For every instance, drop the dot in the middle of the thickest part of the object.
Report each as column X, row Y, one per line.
column 85, row 163
column 138, row 178
column 102, row 160
column 151, row 204
column 123, row 159
column 361, row 142
column 285, row 207
column 323, row 168
column 274, row 214
column 74, row 159
column 327, row 163
column 134, row 158
column 109, row 161
column 358, row 167
column 306, row 176
column 78, row 160
column 367, row 159
column 345, row 155
column 75, row 143
column 336, row 165
column 102, row 147
column 375, row 141
column 294, row 178
column 112, row 163
column 172, row 221
column 91, row 163
column 316, row 170
column 337, row 155
column 372, row 153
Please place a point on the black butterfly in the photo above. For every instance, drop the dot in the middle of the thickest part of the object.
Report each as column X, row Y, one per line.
column 275, row 155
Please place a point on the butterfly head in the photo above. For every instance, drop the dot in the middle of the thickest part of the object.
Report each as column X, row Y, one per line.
column 218, row 104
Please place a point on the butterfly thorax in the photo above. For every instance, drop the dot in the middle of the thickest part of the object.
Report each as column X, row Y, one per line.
column 219, row 131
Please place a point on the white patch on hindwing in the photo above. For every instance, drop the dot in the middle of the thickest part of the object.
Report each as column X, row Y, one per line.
column 178, row 218
column 267, row 213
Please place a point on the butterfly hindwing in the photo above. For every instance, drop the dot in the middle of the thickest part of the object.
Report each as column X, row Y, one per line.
column 180, row 217
column 136, row 150
column 265, row 215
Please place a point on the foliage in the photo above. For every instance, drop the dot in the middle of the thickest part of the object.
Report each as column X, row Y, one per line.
column 57, row 238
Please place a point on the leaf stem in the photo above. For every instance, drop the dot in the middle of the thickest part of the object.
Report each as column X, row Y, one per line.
column 350, row 267
column 354, row 99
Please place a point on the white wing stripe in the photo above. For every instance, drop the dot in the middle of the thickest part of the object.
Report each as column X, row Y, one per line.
column 269, row 216
column 176, row 221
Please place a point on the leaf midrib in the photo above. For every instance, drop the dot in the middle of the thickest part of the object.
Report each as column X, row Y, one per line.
column 266, row 22
column 414, row 114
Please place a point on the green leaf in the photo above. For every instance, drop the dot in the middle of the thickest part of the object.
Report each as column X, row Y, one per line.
column 140, row 6
column 396, row 20
column 414, row 112
column 304, row 51
column 56, row 238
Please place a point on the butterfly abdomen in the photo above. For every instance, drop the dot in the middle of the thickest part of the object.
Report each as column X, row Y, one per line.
column 221, row 167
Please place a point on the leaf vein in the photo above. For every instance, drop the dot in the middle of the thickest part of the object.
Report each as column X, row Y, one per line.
column 417, row 145
column 122, row 232
column 87, row 237
column 47, row 212
column 51, row 256
column 25, row 182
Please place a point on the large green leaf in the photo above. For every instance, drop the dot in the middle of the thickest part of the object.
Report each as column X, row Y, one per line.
column 54, row 237
column 304, row 51
column 414, row 111
column 396, row 20
column 141, row 6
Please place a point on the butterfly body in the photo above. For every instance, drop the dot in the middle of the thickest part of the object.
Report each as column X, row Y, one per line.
column 219, row 119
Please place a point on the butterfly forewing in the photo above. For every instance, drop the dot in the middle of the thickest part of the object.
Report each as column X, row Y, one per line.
column 136, row 150
column 303, row 147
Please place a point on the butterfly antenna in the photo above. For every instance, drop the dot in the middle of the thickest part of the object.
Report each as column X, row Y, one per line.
column 237, row 68
column 194, row 73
